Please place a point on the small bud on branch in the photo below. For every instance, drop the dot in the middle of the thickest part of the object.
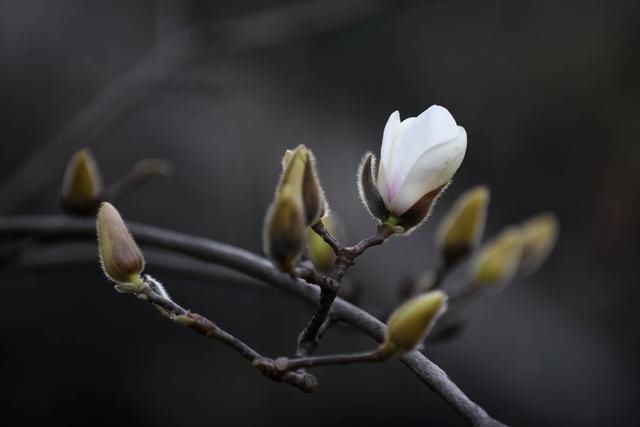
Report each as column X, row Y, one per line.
column 539, row 235
column 120, row 256
column 411, row 322
column 82, row 184
column 299, row 202
column 497, row 261
column 462, row 228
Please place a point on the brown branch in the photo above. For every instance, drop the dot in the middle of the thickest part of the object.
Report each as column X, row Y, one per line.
column 313, row 276
column 64, row 228
column 283, row 364
column 304, row 381
column 345, row 257
column 38, row 256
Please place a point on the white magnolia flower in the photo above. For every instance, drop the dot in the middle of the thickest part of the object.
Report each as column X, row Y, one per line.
column 419, row 155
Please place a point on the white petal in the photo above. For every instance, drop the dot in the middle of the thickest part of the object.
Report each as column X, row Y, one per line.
column 395, row 179
column 434, row 126
column 434, row 168
column 388, row 137
column 382, row 184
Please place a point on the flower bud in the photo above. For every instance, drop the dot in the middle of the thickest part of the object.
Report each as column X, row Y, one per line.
column 82, row 185
column 120, row 256
column 462, row 228
column 284, row 233
column 320, row 253
column 304, row 169
column 497, row 261
column 539, row 235
column 299, row 202
column 410, row 323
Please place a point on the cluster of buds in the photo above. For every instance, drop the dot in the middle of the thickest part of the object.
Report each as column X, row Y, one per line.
column 418, row 159
column 419, row 156
column 518, row 249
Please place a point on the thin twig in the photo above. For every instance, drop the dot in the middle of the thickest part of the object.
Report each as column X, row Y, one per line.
column 313, row 276
column 309, row 338
column 321, row 230
column 283, row 364
column 141, row 172
column 440, row 273
column 328, row 323
column 383, row 233
column 467, row 295
column 64, row 228
column 64, row 255
column 304, row 381
column 452, row 321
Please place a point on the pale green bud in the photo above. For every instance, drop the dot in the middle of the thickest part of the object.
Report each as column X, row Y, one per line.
column 303, row 171
column 497, row 261
column 299, row 202
column 284, row 232
column 120, row 256
column 82, row 184
column 410, row 323
column 539, row 235
column 461, row 229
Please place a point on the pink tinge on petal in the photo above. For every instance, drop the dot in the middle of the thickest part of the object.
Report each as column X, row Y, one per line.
column 393, row 187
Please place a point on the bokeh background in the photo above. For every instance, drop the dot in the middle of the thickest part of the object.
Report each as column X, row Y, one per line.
column 547, row 90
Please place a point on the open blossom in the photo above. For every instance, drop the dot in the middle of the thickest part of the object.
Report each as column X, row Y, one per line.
column 418, row 155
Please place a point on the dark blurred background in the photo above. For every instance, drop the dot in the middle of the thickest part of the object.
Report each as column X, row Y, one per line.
column 548, row 92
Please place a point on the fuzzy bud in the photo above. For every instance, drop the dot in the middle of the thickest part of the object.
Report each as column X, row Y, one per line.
column 304, row 169
column 462, row 228
column 299, row 202
column 412, row 321
column 284, row 233
column 497, row 261
column 120, row 256
column 539, row 235
column 82, row 184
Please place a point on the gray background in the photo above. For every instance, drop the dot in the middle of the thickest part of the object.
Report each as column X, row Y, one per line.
column 547, row 91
